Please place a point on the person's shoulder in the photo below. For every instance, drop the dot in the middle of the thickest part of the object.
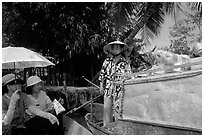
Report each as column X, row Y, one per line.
column 43, row 93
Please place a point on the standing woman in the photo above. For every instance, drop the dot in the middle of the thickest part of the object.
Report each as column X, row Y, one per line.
column 45, row 121
column 114, row 63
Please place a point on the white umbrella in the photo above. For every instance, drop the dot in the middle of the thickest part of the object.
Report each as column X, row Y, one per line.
column 20, row 58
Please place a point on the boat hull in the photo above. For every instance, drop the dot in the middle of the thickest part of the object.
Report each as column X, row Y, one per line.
column 169, row 104
column 172, row 99
column 95, row 124
column 129, row 127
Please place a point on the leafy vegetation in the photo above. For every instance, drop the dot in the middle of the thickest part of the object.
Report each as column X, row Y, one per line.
column 72, row 34
column 187, row 31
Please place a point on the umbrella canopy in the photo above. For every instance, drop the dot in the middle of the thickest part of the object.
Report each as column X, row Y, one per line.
column 20, row 58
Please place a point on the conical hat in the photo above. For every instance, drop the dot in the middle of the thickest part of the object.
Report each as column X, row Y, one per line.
column 126, row 49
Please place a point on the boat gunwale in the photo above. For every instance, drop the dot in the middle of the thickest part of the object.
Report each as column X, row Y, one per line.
column 153, row 123
column 164, row 77
column 106, row 131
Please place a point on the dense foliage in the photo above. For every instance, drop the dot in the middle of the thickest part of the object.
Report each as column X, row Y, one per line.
column 72, row 34
column 67, row 32
column 187, row 31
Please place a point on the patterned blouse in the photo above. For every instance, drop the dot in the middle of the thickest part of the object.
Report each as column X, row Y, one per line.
column 107, row 76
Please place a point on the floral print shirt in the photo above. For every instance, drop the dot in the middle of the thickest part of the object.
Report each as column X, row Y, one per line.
column 108, row 76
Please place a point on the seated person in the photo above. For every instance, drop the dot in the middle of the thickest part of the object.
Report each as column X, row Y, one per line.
column 14, row 104
column 38, row 124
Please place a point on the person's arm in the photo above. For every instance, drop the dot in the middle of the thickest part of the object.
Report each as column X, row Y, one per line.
column 128, row 68
column 8, row 115
column 101, row 88
column 38, row 112
column 49, row 103
column 102, row 76
column 33, row 109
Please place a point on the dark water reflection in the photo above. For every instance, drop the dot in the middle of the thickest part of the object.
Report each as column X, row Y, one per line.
column 78, row 116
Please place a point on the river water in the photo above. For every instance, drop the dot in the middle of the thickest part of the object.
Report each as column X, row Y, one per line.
column 78, row 116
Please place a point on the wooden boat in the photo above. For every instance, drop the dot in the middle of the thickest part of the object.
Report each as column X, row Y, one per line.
column 69, row 127
column 135, row 127
column 158, row 104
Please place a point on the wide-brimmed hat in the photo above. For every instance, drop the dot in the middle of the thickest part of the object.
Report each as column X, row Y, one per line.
column 126, row 49
column 11, row 79
column 32, row 80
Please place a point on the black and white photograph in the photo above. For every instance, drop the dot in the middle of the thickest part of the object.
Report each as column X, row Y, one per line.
column 101, row 68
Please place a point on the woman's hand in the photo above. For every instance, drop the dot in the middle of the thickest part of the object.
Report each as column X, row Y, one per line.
column 15, row 97
column 50, row 108
column 52, row 118
column 61, row 101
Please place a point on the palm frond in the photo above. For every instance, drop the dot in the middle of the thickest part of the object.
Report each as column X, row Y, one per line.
column 196, row 6
column 146, row 34
column 173, row 9
column 121, row 13
column 154, row 22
